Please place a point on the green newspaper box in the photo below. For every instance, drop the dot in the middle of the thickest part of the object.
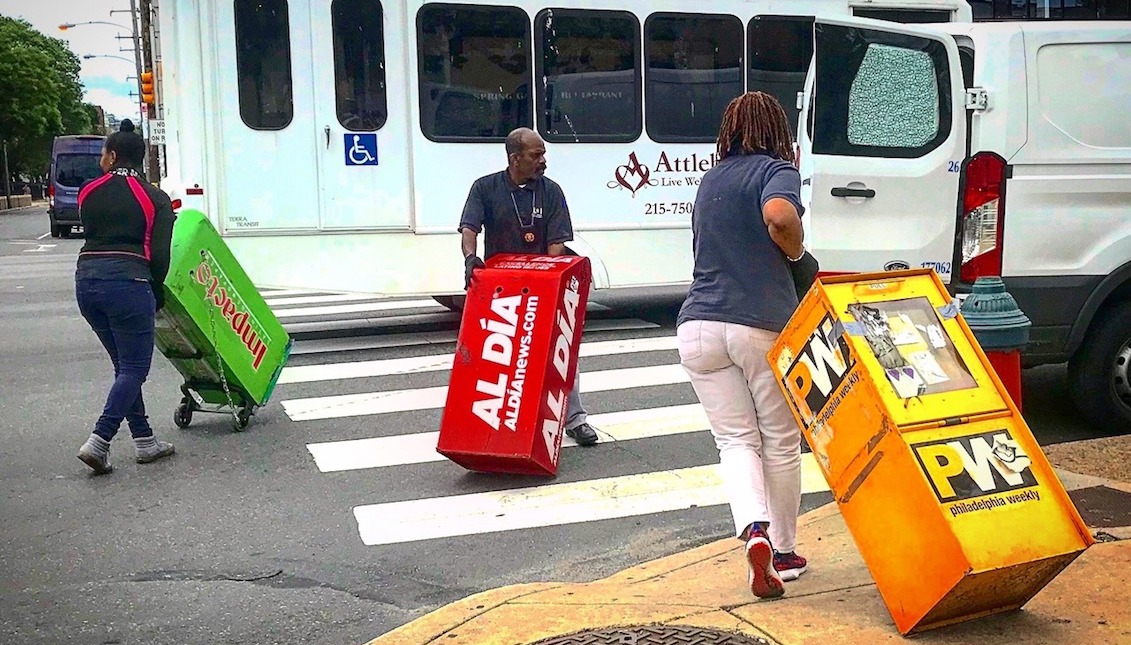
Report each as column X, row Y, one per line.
column 215, row 327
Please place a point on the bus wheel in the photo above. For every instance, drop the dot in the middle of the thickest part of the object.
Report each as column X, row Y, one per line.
column 1100, row 371
column 452, row 303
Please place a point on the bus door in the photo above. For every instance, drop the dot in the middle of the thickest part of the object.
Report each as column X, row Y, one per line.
column 267, row 177
column 362, row 146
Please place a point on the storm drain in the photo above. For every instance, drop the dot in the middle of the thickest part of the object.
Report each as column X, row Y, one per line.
column 654, row 635
column 1103, row 507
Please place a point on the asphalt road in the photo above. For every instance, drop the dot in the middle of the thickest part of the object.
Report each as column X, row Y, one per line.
column 249, row 537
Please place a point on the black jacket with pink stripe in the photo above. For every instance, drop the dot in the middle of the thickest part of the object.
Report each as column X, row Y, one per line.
column 125, row 217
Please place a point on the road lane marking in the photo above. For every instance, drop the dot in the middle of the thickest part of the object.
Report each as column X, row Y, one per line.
column 369, row 403
column 443, row 362
column 48, row 234
column 553, row 504
column 419, row 448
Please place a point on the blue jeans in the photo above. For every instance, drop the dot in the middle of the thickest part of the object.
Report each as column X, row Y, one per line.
column 121, row 313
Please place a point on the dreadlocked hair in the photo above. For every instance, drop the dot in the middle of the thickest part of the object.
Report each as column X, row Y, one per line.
column 755, row 121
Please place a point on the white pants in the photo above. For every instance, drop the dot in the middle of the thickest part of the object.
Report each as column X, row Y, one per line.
column 758, row 439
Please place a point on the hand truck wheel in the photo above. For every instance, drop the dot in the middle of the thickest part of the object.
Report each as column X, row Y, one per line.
column 243, row 418
column 182, row 416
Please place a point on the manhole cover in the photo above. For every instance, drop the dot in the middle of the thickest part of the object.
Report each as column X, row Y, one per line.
column 1103, row 507
column 654, row 635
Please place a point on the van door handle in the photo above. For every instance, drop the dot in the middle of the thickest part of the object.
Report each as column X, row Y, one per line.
column 845, row 191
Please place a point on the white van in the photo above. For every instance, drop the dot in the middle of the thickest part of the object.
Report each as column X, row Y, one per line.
column 985, row 149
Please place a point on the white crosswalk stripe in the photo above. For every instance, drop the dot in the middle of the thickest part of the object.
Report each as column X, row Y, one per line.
column 417, row 364
column 450, row 513
column 553, row 504
column 355, row 405
column 381, row 452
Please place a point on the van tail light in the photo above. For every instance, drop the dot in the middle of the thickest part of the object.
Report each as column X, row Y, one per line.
column 983, row 216
column 177, row 205
column 51, row 191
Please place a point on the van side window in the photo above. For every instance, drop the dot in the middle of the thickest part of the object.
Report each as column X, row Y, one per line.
column 589, row 63
column 694, row 70
column 780, row 50
column 894, row 99
column 263, row 63
column 879, row 94
column 359, row 64
column 474, row 71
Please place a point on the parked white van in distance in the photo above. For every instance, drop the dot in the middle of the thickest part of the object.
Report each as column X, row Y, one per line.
column 985, row 149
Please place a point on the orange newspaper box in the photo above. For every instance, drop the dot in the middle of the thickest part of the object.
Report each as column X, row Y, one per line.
column 515, row 363
column 953, row 506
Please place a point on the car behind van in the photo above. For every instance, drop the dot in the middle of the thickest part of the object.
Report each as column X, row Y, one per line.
column 74, row 161
column 985, row 149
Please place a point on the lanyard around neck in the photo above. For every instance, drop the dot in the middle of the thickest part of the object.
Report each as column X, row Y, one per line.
column 535, row 211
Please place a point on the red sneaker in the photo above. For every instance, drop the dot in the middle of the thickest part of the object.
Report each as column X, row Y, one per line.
column 789, row 566
column 764, row 579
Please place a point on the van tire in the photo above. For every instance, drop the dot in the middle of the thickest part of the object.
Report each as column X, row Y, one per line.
column 65, row 232
column 1099, row 374
column 55, row 232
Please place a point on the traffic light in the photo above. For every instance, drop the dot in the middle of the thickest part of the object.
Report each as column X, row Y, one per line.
column 147, row 95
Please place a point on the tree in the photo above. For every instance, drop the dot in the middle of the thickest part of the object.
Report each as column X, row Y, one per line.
column 40, row 94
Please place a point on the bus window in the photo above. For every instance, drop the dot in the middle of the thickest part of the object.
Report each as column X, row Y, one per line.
column 694, row 69
column 359, row 64
column 589, row 69
column 780, row 50
column 263, row 63
column 474, row 71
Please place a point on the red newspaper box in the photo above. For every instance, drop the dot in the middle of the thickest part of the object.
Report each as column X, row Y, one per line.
column 515, row 362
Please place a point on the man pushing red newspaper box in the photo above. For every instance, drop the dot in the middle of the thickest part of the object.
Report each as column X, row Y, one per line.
column 515, row 364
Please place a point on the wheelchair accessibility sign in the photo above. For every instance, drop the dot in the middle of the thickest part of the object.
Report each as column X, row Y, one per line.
column 361, row 149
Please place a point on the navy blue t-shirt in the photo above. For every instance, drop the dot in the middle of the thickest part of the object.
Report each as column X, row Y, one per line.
column 741, row 276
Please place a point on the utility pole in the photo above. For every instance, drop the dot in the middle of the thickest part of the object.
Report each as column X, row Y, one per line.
column 137, row 62
column 145, row 17
column 7, row 179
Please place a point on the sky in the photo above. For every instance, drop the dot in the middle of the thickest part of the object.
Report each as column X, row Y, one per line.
column 104, row 79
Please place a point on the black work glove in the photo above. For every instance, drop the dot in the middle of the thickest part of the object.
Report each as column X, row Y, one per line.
column 470, row 264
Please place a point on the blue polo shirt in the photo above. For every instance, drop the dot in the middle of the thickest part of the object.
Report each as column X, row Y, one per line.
column 741, row 276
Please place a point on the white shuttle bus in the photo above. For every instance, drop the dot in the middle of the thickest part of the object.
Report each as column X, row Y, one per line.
column 333, row 142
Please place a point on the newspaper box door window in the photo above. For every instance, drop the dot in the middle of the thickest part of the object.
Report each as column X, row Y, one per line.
column 360, row 149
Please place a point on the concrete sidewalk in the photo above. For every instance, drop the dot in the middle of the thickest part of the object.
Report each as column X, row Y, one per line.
column 835, row 602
